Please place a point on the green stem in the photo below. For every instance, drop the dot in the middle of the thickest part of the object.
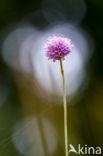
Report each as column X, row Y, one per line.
column 65, row 110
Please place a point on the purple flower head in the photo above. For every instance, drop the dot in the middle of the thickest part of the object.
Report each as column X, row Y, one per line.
column 57, row 47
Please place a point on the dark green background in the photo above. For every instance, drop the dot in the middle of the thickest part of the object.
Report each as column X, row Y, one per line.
column 86, row 116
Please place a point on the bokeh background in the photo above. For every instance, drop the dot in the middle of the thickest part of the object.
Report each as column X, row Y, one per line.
column 31, row 109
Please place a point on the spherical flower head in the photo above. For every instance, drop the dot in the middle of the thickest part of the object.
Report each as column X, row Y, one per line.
column 57, row 47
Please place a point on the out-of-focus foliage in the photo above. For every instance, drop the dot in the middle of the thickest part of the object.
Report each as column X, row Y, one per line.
column 31, row 110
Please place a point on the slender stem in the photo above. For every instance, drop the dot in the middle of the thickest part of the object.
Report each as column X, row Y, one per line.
column 65, row 110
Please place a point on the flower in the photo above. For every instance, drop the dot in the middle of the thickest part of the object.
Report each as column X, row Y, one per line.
column 57, row 47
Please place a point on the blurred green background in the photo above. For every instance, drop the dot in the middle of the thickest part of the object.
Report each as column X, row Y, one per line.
column 32, row 123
